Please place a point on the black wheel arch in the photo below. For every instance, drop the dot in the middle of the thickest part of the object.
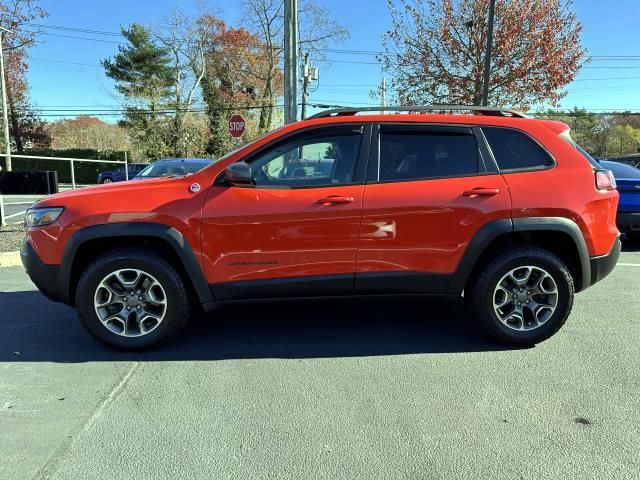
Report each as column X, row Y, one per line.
column 492, row 232
column 139, row 230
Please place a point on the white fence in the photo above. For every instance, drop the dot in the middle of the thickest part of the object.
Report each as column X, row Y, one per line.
column 4, row 204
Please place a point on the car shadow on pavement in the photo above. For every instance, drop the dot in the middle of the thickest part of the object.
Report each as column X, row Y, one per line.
column 38, row 330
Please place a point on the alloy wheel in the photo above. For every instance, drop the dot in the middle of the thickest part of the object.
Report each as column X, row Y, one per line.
column 525, row 298
column 130, row 302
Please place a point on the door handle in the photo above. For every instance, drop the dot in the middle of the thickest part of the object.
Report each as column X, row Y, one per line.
column 481, row 192
column 334, row 200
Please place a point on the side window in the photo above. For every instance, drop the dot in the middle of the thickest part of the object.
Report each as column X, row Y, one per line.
column 514, row 150
column 310, row 161
column 410, row 153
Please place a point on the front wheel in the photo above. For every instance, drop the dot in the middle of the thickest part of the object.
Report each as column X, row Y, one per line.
column 132, row 299
column 522, row 296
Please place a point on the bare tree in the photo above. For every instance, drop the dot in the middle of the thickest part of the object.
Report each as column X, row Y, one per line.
column 14, row 15
column 181, row 37
column 265, row 18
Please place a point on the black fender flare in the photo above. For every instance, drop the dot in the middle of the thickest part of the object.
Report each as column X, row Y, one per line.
column 492, row 230
column 564, row 225
column 170, row 235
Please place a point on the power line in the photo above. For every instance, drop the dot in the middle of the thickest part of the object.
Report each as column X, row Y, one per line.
column 78, row 38
column 74, row 29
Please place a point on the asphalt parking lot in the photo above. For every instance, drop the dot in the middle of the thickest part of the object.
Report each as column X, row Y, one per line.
column 367, row 389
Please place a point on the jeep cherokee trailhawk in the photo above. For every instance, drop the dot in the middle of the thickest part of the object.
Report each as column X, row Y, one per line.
column 488, row 204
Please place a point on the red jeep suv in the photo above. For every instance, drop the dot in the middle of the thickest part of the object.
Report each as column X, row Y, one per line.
column 504, row 210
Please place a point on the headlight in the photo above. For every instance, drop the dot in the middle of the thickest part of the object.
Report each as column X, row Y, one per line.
column 37, row 217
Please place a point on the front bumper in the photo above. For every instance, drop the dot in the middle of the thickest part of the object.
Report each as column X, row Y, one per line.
column 628, row 222
column 603, row 265
column 46, row 277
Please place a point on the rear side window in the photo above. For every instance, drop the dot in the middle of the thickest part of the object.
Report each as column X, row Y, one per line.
column 514, row 150
column 410, row 153
column 566, row 136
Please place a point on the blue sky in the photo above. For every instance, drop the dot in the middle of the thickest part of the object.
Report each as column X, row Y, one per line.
column 65, row 73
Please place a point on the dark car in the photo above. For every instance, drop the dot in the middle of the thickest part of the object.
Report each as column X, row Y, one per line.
column 174, row 167
column 628, row 180
column 110, row 176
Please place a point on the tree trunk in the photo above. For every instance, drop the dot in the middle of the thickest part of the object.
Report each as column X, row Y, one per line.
column 15, row 122
column 477, row 92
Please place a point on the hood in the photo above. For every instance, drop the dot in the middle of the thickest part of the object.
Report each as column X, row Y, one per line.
column 121, row 188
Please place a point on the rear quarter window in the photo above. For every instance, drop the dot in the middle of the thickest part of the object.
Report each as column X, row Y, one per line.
column 515, row 150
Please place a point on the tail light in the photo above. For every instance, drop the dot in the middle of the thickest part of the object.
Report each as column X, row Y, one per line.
column 605, row 180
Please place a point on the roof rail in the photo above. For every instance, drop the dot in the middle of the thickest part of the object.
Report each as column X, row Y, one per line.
column 489, row 111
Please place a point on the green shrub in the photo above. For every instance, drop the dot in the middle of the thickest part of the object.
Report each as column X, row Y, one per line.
column 85, row 172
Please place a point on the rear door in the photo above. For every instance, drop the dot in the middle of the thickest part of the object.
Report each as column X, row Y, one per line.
column 429, row 189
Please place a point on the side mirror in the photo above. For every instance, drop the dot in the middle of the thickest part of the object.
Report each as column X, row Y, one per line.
column 238, row 174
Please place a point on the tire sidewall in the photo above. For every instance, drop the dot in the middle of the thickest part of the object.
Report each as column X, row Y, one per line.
column 565, row 300
column 171, row 283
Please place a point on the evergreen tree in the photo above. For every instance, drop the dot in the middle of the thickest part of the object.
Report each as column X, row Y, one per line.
column 143, row 74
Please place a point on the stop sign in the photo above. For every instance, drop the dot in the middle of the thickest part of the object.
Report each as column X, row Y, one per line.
column 236, row 125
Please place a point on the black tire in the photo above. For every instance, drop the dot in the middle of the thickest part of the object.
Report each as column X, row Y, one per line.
column 480, row 290
column 178, row 299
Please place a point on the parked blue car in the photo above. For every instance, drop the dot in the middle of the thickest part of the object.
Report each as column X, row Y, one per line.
column 109, row 176
column 173, row 167
column 628, row 180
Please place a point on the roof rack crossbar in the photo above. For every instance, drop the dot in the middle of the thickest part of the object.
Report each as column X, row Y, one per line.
column 490, row 111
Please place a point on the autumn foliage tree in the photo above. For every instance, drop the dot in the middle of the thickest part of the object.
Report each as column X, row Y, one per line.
column 435, row 51
column 238, row 73
column 26, row 128
column 86, row 132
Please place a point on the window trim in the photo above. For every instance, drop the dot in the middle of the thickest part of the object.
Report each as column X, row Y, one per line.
column 507, row 171
column 360, row 169
column 373, row 170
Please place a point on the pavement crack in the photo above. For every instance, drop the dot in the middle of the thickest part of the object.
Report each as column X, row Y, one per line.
column 52, row 463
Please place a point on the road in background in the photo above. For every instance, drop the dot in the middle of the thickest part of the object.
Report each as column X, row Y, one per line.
column 326, row 390
column 16, row 205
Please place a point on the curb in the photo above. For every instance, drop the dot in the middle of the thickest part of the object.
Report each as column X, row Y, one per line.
column 10, row 259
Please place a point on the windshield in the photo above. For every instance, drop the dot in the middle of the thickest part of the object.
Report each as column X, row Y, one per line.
column 171, row 169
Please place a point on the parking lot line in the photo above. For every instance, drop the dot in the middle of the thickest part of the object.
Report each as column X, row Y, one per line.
column 629, row 264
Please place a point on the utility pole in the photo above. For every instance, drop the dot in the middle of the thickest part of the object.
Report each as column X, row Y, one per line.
column 290, row 60
column 305, row 86
column 487, row 55
column 383, row 93
column 309, row 74
column 5, row 117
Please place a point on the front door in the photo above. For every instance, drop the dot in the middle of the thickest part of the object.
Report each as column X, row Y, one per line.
column 429, row 191
column 295, row 231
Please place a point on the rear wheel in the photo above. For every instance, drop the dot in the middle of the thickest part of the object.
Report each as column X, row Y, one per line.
column 523, row 296
column 132, row 299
